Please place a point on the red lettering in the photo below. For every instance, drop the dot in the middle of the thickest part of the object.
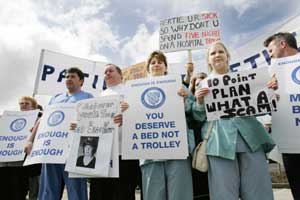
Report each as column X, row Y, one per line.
column 206, row 16
column 192, row 35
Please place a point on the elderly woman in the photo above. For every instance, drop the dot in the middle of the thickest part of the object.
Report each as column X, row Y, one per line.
column 167, row 179
column 14, row 176
column 236, row 147
column 88, row 158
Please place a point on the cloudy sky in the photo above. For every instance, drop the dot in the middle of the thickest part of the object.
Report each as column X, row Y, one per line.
column 118, row 31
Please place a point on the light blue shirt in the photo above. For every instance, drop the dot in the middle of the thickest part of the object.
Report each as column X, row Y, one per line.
column 225, row 134
column 66, row 98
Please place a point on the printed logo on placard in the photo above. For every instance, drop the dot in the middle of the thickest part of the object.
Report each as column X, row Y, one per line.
column 18, row 124
column 153, row 97
column 56, row 118
column 296, row 75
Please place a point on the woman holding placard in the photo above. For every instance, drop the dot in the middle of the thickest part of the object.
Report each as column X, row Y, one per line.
column 200, row 180
column 167, row 179
column 236, row 147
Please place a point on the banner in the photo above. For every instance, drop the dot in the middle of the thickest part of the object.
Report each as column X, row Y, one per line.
column 238, row 94
column 189, row 32
column 286, row 121
column 50, row 79
column 15, row 127
column 53, row 137
column 135, row 71
column 253, row 54
column 154, row 125
column 91, row 151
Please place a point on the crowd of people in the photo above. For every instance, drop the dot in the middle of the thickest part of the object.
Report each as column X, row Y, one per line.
column 236, row 148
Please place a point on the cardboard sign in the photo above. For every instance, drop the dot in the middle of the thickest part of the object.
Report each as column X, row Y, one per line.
column 15, row 127
column 91, row 151
column 286, row 121
column 53, row 137
column 239, row 94
column 154, row 125
column 189, row 32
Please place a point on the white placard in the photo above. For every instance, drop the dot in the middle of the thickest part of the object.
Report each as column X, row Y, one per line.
column 50, row 78
column 154, row 125
column 53, row 137
column 238, row 94
column 286, row 121
column 15, row 127
column 189, row 32
column 95, row 139
column 113, row 165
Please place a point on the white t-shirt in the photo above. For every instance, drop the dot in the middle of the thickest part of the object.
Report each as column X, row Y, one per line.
column 116, row 90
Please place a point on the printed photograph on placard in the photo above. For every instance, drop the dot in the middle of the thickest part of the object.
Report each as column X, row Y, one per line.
column 87, row 152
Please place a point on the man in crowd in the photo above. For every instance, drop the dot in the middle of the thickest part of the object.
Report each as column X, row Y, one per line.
column 122, row 188
column 283, row 45
column 53, row 176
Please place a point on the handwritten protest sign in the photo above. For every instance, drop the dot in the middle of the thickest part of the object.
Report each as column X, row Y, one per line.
column 286, row 121
column 189, row 32
column 53, row 137
column 15, row 126
column 91, row 151
column 154, row 126
column 239, row 94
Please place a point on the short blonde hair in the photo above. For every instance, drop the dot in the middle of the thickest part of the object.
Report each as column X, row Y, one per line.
column 32, row 100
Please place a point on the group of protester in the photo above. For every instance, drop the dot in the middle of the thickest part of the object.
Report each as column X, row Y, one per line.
column 236, row 149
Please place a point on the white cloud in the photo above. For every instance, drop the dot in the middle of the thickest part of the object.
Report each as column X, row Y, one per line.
column 141, row 44
column 240, row 5
column 84, row 28
column 26, row 27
